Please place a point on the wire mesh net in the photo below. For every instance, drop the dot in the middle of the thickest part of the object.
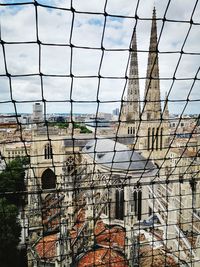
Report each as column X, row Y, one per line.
column 99, row 133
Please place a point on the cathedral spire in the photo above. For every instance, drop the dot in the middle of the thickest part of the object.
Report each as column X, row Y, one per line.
column 133, row 97
column 152, row 108
column 130, row 110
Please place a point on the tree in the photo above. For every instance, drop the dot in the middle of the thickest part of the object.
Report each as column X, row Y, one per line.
column 83, row 128
column 10, row 231
column 12, row 186
column 12, row 182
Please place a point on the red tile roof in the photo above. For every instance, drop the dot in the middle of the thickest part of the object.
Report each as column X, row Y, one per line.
column 103, row 257
column 46, row 247
column 155, row 257
column 113, row 236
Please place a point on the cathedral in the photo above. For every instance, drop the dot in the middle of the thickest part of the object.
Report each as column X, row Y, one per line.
column 94, row 201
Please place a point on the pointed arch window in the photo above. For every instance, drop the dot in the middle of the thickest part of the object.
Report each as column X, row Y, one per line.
column 48, row 152
column 135, row 197
column 137, row 202
column 153, row 139
column 139, row 215
column 149, row 139
column 161, row 138
column 119, row 208
column 157, row 132
column 48, row 179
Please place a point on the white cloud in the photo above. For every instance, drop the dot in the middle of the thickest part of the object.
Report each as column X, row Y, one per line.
column 55, row 60
column 26, row 88
column 86, row 62
column 54, row 25
column 22, row 58
column 18, row 24
column 4, row 89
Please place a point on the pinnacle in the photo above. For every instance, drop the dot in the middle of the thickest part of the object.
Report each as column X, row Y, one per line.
column 154, row 12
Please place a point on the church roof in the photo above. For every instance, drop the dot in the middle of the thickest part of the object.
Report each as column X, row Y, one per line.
column 103, row 257
column 114, row 155
column 46, row 247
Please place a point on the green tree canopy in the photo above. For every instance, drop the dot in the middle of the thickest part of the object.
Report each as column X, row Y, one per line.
column 10, row 231
column 12, row 181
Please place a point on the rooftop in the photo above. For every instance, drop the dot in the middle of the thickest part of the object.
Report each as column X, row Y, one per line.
column 103, row 257
column 46, row 247
column 114, row 155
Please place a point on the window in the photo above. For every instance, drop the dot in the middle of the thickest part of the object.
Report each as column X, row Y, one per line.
column 119, row 206
column 150, row 211
column 107, row 209
column 157, row 131
column 139, row 205
column 48, row 153
column 137, row 199
column 153, row 139
column 149, row 135
column 48, row 179
column 161, row 139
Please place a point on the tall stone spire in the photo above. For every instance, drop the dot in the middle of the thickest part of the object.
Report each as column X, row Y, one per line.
column 152, row 104
column 133, row 95
column 154, row 128
column 130, row 111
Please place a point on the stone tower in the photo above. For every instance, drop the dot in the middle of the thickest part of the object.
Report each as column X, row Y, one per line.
column 131, row 109
column 154, row 128
column 152, row 104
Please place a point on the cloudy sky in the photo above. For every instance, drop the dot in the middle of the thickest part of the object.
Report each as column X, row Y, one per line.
column 58, row 59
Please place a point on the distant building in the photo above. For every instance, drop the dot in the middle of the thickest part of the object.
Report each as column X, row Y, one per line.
column 115, row 112
column 37, row 113
column 98, row 122
column 11, row 151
